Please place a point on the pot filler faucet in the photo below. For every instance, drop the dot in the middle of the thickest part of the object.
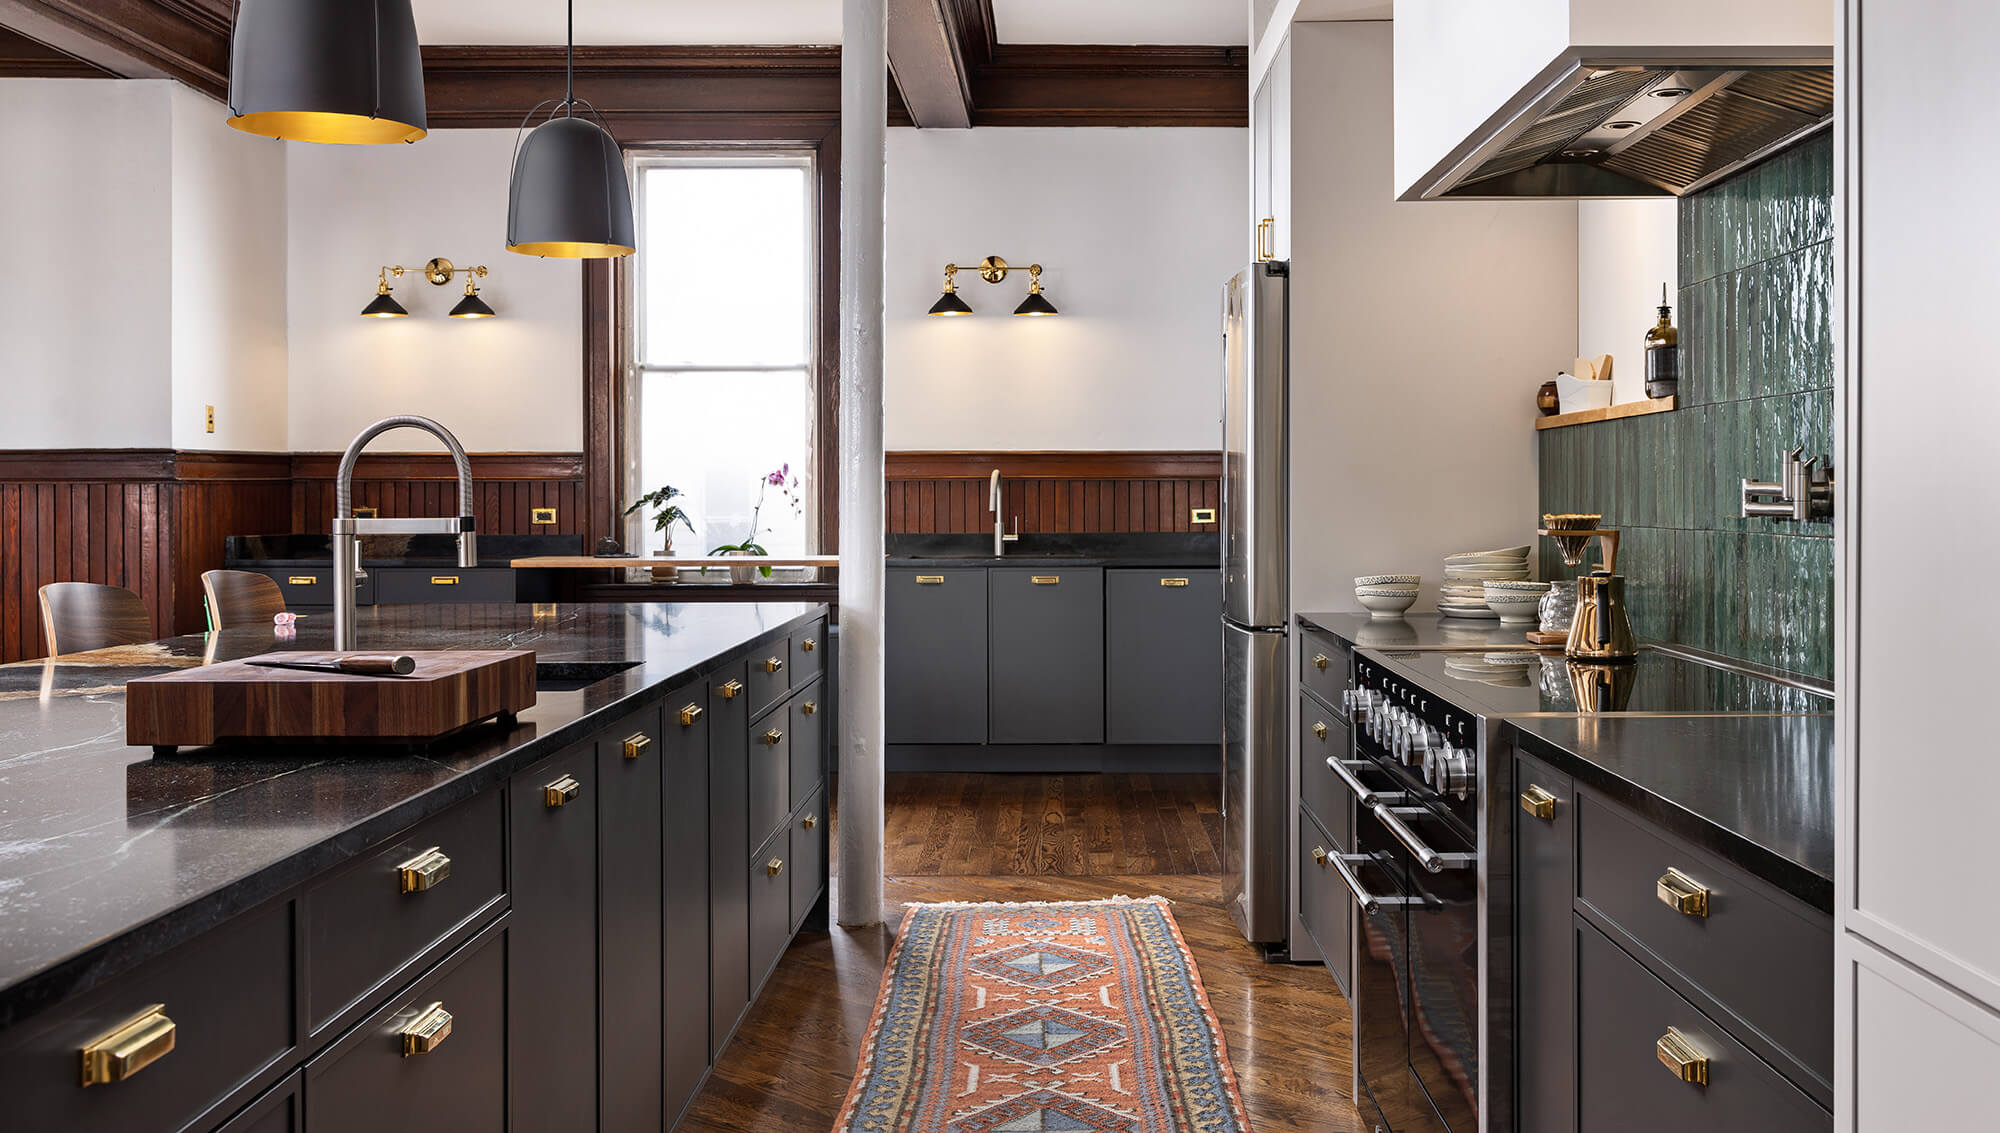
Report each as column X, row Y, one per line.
column 1000, row 536
column 347, row 572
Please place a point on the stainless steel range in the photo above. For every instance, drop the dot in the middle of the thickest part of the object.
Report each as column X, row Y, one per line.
column 1431, row 870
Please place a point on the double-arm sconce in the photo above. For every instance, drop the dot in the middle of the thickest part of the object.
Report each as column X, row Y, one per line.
column 993, row 269
column 440, row 272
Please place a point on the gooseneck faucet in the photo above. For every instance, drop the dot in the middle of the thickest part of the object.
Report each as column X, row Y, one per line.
column 347, row 529
column 1000, row 536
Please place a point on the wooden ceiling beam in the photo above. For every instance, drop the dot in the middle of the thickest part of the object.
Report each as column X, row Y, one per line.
column 24, row 58
column 132, row 39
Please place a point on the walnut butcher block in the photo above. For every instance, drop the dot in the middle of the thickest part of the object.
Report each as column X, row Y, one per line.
column 235, row 700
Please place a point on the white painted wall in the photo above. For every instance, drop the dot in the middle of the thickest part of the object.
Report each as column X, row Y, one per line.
column 1625, row 251
column 84, row 310
column 1136, row 229
column 228, row 294
column 508, row 384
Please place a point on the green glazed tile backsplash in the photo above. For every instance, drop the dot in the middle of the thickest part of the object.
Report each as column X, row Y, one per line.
column 1756, row 319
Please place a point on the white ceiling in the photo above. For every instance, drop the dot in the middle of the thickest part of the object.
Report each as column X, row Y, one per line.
column 1122, row 21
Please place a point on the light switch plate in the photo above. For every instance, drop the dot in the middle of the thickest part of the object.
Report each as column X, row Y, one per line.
column 1202, row 515
column 542, row 515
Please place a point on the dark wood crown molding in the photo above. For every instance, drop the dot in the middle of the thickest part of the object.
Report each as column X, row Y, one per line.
column 134, row 39
column 438, row 466
column 24, row 58
column 1077, row 85
column 1133, row 465
column 140, row 465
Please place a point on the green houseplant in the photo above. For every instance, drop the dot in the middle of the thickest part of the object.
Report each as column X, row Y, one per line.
column 783, row 479
column 666, row 514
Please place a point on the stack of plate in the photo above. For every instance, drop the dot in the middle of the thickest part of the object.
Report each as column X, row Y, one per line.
column 1467, row 573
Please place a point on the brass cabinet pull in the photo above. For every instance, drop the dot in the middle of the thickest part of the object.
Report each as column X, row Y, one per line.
column 303, row 580
column 362, row 511
column 930, row 580
column 128, row 1048
column 444, row 580
column 561, row 792
column 1539, row 803
column 731, row 690
column 773, row 664
column 1319, row 662
column 1046, row 579
column 691, row 713
column 427, row 1031
column 808, row 645
column 809, row 707
column 636, row 743
column 425, row 871
column 774, row 737
column 1319, row 730
column 811, row 821
column 775, row 866
column 1682, row 1057
column 1683, row 894
column 1173, row 582
column 1319, row 856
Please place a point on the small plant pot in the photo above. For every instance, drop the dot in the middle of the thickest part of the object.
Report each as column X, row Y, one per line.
column 665, row 573
column 743, row 575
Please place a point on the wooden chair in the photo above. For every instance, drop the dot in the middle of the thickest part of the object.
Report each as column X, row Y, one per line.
column 79, row 616
column 240, row 598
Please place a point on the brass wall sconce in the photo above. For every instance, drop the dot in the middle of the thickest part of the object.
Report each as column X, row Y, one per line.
column 440, row 272
column 993, row 269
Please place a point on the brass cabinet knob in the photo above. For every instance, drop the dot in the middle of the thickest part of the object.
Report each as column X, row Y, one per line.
column 1682, row 894
column 773, row 664
column 430, row 1028
column 775, row 866
column 1319, row 661
column 561, row 792
column 811, row 821
column 128, row 1048
column 1539, row 803
column 1319, row 855
column 1682, row 1057
column 1319, row 730
column 808, row 645
column 444, row 580
column 774, row 737
column 425, row 871
column 690, row 713
column 732, row 690
column 809, row 707
column 636, row 743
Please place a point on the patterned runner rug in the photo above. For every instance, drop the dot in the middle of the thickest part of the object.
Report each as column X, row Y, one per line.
column 1079, row 1017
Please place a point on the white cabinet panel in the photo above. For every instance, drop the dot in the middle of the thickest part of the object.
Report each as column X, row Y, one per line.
column 1928, row 1058
column 1279, row 242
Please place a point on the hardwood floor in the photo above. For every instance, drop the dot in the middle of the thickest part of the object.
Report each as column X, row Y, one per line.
column 1040, row 838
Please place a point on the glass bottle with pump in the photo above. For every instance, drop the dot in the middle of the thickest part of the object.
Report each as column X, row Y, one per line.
column 1663, row 356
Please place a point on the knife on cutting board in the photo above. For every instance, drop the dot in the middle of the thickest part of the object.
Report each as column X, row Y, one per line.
column 400, row 665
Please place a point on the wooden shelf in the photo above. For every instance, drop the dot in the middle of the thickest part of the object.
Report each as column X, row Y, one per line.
column 1608, row 413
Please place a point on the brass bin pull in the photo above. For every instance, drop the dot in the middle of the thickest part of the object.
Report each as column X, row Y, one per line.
column 427, row 1031
column 808, row 645
column 1539, row 803
column 809, row 707
column 1046, row 579
column 425, row 871
column 811, row 821
column 1319, row 730
column 303, row 580
column 731, row 690
column 636, row 743
column 773, row 664
column 1173, row 582
column 1319, row 662
column 561, row 792
column 444, row 580
column 128, row 1048
column 1682, row 894
column 930, row 580
column 691, row 713
column 1682, row 1057
column 774, row 737
column 775, row 866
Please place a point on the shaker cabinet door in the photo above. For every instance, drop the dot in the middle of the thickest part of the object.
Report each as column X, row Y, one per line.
column 552, row 943
column 630, row 956
column 686, row 845
column 1545, row 946
column 1048, row 655
column 1163, row 656
column 935, row 645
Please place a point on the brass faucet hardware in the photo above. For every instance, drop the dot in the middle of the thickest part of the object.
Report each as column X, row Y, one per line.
column 444, row 580
column 689, row 714
column 1319, row 855
column 809, row 707
column 636, row 743
column 425, row 871
column 811, row 821
column 808, row 645
column 772, row 738
column 1176, row 582
column 1319, row 730
column 775, row 866
column 732, row 690
column 1319, row 661
column 1682, row 1057
column 1046, row 579
column 930, row 580
column 430, row 1028
column 561, row 792
column 128, row 1048
column 773, row 664
column 1683, row 894
column 1539, row 803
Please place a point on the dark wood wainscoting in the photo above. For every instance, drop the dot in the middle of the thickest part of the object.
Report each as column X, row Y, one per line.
column 946, row 492
column 507, row 487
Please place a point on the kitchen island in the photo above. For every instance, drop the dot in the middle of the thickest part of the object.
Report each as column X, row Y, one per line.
column 624, row 866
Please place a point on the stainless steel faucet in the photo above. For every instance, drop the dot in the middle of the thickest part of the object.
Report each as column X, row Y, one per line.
column 347, row 572
column 1000, row 536
column 1801, row 492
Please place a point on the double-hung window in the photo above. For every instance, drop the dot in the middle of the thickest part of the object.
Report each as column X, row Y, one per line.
column 721, row 385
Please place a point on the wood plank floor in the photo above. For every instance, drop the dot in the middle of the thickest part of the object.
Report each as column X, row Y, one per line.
column 1045, row 838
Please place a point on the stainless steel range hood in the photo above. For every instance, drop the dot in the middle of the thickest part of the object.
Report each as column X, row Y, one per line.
column 1624, row 127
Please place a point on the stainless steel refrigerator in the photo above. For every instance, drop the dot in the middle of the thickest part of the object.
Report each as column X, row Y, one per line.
column 1255, row 589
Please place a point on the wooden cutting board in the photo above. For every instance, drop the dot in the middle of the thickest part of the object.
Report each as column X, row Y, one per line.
column 233, row 700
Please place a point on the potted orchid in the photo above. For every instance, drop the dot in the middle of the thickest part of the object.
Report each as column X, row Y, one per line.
column 783, row 479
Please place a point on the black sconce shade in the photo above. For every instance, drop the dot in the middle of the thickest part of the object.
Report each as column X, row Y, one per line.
column 569, row 196
column 385, row 306
column 472, row 307
column 1035, row 304
column 950, row 304
column 340, row 71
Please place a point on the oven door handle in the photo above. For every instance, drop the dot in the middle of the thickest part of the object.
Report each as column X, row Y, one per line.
column 1431, row 860
column 1368, row 902
column 1362, row 794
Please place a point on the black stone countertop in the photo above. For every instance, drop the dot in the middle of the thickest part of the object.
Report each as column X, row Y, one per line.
column 1417, row 631
column 1757, row 790
column 109, row 856
column 391, row 550
column 1189, row 549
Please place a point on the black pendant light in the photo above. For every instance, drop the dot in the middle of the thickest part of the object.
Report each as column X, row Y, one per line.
column 569, row 197
column 341, row 71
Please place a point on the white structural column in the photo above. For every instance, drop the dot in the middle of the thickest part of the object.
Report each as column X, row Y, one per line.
column 864, row 135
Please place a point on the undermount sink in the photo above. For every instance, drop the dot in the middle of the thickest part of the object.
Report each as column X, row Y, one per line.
column 569, row 676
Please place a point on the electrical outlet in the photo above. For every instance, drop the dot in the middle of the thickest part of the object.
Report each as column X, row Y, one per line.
column 211, row 418
column 542, row 515
column 1202, row 515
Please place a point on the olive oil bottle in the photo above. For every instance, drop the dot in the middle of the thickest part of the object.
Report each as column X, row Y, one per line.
column 1663, row 355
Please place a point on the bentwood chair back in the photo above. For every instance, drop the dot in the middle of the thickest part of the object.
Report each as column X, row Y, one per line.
column 240, row 598
column 79, row 616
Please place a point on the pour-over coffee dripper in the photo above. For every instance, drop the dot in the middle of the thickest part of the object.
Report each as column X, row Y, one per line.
column 1573, row 533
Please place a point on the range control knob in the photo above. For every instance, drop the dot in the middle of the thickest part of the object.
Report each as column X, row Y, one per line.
column 1451, row 770
column 1423, row 740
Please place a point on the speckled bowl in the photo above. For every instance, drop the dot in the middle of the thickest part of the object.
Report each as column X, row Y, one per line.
column 1384, row 602
column 1389, row 580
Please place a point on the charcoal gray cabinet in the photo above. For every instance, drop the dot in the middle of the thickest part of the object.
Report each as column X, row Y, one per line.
column 686, row 737
column 1047, row 655
column 280, row 1110
column 552, row 832
column 935, row 643
column 1545, row 947
column 399, row 585
column 631, row 956
column 728, row 834
column 1163, row 656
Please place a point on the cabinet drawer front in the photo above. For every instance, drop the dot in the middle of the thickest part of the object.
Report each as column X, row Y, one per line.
column 770, row 906
column 808, row 859
column 228, row 995
column 305, row 587
column 770, row 773
column 1325, row 905
column 1323, row 665
column 1624, row 1012
column 1767, row 957
column 362, row 927
column 809, row 649
column 1163, row 656
column 770, row 673
column 1047, row 680
column 935, row 656
column 552, row 945
column 395, row 585
column 367, row 1081
column 807, row 741
column 1322, row 736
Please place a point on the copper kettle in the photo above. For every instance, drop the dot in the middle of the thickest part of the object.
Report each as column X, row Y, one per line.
column 1601, row 630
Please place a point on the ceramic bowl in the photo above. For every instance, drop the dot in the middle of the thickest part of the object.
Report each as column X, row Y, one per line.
column 1396, row 588
column 1389, row 580
column 1498, row 553
column 1515, row 607
column 1385, row 606
column 1522, row 585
